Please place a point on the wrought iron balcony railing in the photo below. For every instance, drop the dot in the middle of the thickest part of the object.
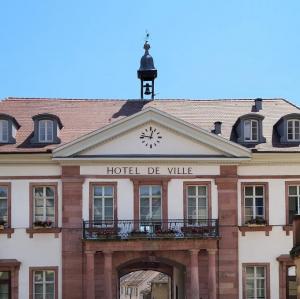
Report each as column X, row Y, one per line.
column 150, row 229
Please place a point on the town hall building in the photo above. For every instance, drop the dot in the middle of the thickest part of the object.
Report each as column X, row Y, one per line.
column 203, row 191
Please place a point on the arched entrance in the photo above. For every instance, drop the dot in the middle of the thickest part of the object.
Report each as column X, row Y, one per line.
column 172, row 272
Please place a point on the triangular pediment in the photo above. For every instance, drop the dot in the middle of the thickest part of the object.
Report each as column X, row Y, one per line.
column 151, row 133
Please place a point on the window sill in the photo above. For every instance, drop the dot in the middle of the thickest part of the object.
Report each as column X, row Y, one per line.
column 7, row 231
column 258, row 228
column 44, row 230
column 287, row 228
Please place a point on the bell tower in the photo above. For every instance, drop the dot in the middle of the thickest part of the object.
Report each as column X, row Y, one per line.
column 147, row 73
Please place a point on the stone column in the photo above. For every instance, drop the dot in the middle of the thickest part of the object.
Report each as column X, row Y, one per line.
column 194, row 274
column 90, row 275
column 108, row 274
column 72, row 257
column 212, row 274
column 228, row 270
column 296, row 250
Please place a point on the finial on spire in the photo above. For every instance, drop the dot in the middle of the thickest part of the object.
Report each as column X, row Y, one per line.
column 146, row 44
column 147, row 36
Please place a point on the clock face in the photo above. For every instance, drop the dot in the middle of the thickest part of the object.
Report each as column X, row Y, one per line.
column 150, row 137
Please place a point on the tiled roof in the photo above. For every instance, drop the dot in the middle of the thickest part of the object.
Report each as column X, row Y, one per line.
column 81, row 116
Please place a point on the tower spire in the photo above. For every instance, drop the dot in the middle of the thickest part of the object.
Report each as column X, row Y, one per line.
column 147, row 72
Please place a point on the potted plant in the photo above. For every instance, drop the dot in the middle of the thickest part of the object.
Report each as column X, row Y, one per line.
column 165, row 232
column 106, row 232
column 3, row 224
column 43, row 224
column 257, row 221
column 136, row 233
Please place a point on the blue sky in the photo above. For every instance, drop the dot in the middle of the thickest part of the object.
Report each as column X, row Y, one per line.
column 202, row 49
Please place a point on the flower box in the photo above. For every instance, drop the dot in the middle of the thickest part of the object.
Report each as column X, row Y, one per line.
column 3, row 224
column 168, row 233
column 105, row 232
column 255, row 224
column 257, row 221
column 42, row 224
column 138, row 234
column 192, row 230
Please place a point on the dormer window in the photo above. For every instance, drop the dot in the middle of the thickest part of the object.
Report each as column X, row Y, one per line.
column 8, row 129
column 3, row 130
column 293, row 130
column 251, row 130
column 46, row 129
column 288, row 129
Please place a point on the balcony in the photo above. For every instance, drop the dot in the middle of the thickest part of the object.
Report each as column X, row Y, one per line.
column 150, row 229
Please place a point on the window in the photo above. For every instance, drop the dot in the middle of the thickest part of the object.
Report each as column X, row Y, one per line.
column 251, row 130
column 103, row 203
column 293, row 130
column 293, row 201
column 4, row 205
column 248, row 130
column 254, row 203
column 197, row 202
column 3, row 130
column 43, row 283
column 5, row 285
column 46, row 130
column 256, row 282
column 150, row 202
column 43, row 205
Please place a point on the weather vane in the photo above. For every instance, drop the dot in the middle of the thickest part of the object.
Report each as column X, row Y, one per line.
column 147, row 36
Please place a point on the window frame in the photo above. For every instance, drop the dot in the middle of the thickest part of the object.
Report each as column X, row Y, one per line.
column 47, row 122
column 150, row 202
column 46, row 268
column 2, row 121
column 252, row 120
column 13, row 266
column 115, row 198
column 149, row 181
column 7, row 281
column 54, row 185
column 186, row 184
column 287, row 201
column 267, row 277
column 293, row 120
column 8, row 186
column 266, row 199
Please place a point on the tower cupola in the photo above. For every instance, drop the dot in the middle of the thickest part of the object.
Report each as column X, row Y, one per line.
column 147, row 73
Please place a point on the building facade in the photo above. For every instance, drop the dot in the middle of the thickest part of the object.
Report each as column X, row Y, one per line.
column 203, row 191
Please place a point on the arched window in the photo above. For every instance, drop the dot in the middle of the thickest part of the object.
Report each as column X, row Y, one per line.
column 46, row 130
column 293, row 130
column 8, row 129
column 250, row 130
column 288, row 129
column 3, row 130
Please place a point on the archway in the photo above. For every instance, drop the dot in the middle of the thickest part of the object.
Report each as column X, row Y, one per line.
column 164, row 276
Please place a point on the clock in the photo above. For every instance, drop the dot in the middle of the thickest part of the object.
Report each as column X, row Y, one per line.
column 150, row 137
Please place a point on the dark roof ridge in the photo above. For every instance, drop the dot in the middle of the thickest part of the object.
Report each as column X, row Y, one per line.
column 138, row 100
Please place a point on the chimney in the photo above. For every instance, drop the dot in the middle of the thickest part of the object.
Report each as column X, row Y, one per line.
column 258, row 104
column 217, row 130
